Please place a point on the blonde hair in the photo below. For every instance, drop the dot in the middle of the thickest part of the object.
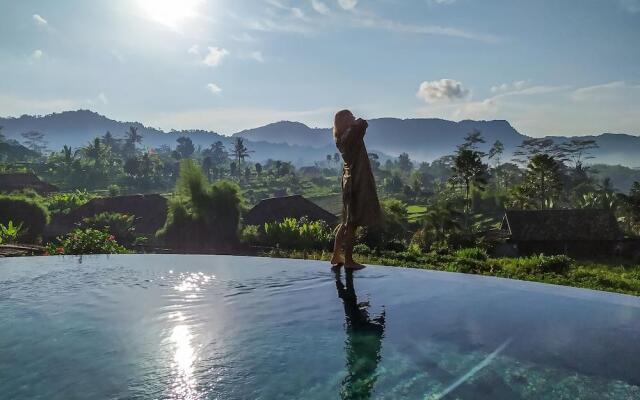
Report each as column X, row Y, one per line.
column 339, row 125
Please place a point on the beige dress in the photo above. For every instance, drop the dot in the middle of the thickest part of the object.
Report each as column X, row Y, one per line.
column 360, row 206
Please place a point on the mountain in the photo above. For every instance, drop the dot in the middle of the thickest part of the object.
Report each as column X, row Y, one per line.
column 425, row 139
column 77, row 128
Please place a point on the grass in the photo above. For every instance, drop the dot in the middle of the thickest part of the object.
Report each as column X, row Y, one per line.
column 415, row 212
column 611, row 276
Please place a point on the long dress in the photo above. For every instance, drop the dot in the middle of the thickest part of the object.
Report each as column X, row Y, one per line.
column 360, row 205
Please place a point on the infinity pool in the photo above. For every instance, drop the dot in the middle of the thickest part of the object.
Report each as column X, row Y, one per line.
column 218, row 327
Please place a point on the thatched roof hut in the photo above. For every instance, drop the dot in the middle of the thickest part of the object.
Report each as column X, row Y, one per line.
column 16, row 181
column 562, row 231
column 279, row 208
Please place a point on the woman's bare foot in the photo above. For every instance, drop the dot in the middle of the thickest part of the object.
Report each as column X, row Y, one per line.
column 354, row 266
column 337, row 261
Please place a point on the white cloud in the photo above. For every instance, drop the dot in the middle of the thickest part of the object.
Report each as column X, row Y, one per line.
column 214, row 56
column 477, row 109
column 244, row 37
column 597, row 91
column 103, row 98
column 13, row 106
column 39, row 20
column 506, row 87
column 257, row 55
column 37, row 54
column 348, row 4
column 375, row 22
column 443, row 90
column 213, row 88
column 443, row 1
column 195, row 50
column 320, row 7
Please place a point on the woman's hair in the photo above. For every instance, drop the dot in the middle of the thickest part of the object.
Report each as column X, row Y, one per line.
column 340, row 122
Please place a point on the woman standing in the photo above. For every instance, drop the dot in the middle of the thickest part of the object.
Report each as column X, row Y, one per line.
column 360, row 206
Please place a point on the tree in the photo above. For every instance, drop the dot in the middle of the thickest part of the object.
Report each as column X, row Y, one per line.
column 471, row 142
column 111, row 142
column 579, row 150
column 132, row 137
column 329, row 160
column 240, row 152
column 258, row 168
column 336, row 158
column 34, row 141
column 542, row 181
column 404, row 163
column 470, row 171
column 375, row 162
column 535, row 146
column 185, row 147
column 495, row 153
column 2, row 137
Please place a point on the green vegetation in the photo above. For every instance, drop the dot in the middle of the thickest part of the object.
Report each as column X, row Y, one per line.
column 611, row 276
column 291, row 234
column 116, row 224
column 86, row 241
column 9, row 233
column 202, row 215
column 27, row 213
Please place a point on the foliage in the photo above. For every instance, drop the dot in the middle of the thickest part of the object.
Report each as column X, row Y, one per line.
column 9, row 233
column 292, row 233
column 86, row 241
column 472, row 253
column 201, row 215
column 117, row 224
column 25, row 211
column 63, row 203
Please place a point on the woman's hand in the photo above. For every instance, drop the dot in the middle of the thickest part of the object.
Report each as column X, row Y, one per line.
column 362, row 123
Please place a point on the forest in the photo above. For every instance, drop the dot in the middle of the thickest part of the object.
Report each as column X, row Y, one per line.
column 444, row 214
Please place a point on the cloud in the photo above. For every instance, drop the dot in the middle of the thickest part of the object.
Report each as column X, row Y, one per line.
column 599, row 92
column 443, row 90
column 213, row 88
column 372, row 21
column 443, row 1
column 214, row 56
column 37, row 54
column 39, row 20
column 348, row 4
column 257, row 55
column 506, row 87
column 195, row 50
column 320, row 7
column 244, row 37
column 13, row 106
column 103, row 98
column 633, row 6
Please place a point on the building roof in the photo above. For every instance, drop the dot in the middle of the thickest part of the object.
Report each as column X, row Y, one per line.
column 15, row 181
column 279, row 208
column 561, row 225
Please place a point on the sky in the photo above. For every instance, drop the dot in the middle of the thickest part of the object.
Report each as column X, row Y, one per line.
column 550, row 67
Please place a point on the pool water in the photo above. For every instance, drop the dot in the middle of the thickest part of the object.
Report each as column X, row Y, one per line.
column 219, row 327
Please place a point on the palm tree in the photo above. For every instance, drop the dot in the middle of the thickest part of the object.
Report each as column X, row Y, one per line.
column 95, row 151
column 132, row 137
column 240, row 152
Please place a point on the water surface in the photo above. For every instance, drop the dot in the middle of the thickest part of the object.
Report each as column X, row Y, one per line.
column 218, row 327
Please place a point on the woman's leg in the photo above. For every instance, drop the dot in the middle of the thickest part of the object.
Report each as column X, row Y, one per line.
column 337, row 258
column 349, row 242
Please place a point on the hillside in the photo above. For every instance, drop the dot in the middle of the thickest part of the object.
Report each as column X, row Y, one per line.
column 423, row 139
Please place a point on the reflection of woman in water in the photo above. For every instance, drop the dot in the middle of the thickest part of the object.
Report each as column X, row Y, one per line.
column 360, row 206
column 363, row 344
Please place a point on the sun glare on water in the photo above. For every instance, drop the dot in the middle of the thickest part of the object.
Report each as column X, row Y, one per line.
column 171, row 13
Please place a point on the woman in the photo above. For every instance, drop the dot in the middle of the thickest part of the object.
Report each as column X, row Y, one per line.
column 360, row 206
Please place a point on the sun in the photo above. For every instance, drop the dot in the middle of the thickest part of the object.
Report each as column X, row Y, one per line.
column 171, row 13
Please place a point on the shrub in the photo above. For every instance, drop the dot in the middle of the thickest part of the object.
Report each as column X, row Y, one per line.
column 9, row 233
column 28, row 213
column 86, row 241
column 201, row 215
column 119, row 225
column 63, row 203
column 361, row 248
column 299, row 234
column 114, row 190
column 250, row 234
column 558, row 264
column 472, row 253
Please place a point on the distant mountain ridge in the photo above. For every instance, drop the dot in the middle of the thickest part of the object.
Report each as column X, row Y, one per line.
column 423, row 138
